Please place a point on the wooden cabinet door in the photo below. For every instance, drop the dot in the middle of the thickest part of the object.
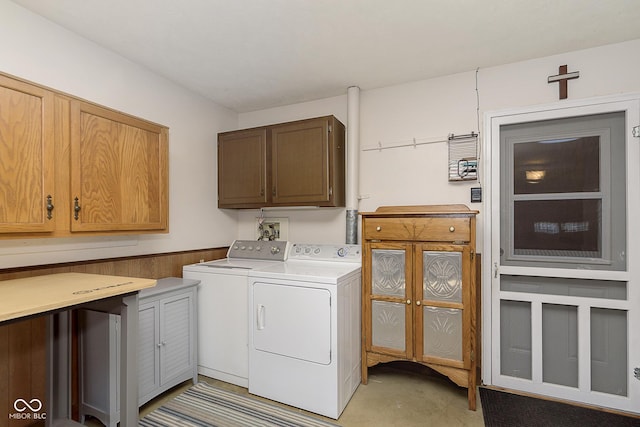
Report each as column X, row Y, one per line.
column 300, row 163
column 442, row 296
column 119, row 171
column 26, row 157
column 387, row 299
column 242, row 169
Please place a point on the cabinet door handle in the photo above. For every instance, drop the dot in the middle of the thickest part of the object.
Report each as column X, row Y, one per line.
column 417, row 302
column 408, row 302
column 273, row 192
column 49, row 207
column 76, row 208
column 378, row 228
column 452, row 229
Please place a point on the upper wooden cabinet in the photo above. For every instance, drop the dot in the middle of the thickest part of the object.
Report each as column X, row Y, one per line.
column 299, row 163
column 55, row 148
column 242, row 168
column 26, row 157
column 118, row 171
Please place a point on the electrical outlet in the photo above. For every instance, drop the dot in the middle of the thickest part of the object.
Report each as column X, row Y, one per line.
column 272, row 228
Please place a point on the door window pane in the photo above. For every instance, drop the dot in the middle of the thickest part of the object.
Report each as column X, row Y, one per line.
column 515, row 338
column 559, row 228
column 609, row 351
column 560, row 344
column 562, row 165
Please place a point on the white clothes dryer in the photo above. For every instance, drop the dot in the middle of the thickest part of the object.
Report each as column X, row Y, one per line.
column 304, row 328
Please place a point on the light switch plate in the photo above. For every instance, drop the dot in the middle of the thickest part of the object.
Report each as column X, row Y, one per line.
column 476, row 195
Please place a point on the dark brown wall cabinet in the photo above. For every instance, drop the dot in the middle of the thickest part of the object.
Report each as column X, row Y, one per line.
column 299, row 163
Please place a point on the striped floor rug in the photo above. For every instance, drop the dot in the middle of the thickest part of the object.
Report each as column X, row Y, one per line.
column 205, row 405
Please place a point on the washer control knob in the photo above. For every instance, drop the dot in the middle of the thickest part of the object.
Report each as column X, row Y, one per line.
column 275, row 250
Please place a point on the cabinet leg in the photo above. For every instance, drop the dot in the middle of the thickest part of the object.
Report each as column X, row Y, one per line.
column 365, row 372
column 471, row 395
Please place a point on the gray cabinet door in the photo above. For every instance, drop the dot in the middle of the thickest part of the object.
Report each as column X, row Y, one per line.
column 176, row 337
column 148, row 357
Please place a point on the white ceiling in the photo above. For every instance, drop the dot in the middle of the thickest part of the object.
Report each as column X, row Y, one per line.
column 253, row 54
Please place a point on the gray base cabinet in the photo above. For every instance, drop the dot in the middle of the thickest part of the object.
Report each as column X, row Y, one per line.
column 167, row 352
column 99, row 366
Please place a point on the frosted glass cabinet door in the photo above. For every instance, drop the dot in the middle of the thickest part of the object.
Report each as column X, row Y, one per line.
column 440, row 304
column 390, row 314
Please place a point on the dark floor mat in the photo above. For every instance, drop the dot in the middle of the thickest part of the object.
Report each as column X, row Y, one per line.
column 502, row 409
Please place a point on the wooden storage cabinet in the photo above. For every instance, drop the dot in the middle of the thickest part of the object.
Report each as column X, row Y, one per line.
column 55, row 148
column 242, row 168
column 119, row 164
column 167, row 352
column 419, row 290
column 27, row 167
column 299, row 163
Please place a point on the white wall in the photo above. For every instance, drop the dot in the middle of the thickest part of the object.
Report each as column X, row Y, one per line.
column 433, row 109
column 40, row 51
column 37, row 50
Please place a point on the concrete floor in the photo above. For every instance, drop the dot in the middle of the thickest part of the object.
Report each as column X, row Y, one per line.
column 398, row 394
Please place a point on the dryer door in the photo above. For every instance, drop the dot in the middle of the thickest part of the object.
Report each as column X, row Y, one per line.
column 292, row 321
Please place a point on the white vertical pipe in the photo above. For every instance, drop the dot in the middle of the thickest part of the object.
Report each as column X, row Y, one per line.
column 353, row 163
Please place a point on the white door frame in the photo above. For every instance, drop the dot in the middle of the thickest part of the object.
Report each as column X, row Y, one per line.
column 490, row 170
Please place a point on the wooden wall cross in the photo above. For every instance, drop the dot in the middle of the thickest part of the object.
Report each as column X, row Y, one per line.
column 562, row 78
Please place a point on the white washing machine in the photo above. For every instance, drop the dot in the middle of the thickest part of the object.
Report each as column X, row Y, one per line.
column 304, row 328
column 222, row 307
